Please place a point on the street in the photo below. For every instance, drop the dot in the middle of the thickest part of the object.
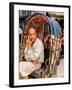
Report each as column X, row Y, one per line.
column 60, row 68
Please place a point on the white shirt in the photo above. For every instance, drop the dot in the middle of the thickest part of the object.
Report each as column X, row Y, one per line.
column 36, row 52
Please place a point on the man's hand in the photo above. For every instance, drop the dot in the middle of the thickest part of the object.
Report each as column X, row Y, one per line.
column 28, row 43
column 34, row 62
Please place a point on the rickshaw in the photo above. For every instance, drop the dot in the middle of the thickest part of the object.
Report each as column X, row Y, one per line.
column 44, row 28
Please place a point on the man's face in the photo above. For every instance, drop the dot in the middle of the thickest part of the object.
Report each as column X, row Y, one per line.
column 32, row 34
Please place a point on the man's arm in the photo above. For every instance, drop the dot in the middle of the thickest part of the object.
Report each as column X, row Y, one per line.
column 33, row 54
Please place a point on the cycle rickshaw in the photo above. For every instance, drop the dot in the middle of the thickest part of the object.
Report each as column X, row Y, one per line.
column 44, row 27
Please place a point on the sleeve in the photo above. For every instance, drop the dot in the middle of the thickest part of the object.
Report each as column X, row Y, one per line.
column 33, row 54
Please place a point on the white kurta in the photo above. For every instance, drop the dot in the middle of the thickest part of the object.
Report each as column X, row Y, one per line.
column 34, row 53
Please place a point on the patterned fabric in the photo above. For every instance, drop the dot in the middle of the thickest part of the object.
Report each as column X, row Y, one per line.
column 54, row 55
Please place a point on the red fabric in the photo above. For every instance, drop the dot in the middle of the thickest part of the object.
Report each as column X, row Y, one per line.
column 39, row 30
column 62, row 34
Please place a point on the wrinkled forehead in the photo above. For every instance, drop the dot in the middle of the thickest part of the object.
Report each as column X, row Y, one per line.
column 31, row 31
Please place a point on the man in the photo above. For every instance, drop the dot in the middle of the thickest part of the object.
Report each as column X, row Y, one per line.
column 34, row 51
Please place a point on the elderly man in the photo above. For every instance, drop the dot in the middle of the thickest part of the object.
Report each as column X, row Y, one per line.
column 34, row 51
